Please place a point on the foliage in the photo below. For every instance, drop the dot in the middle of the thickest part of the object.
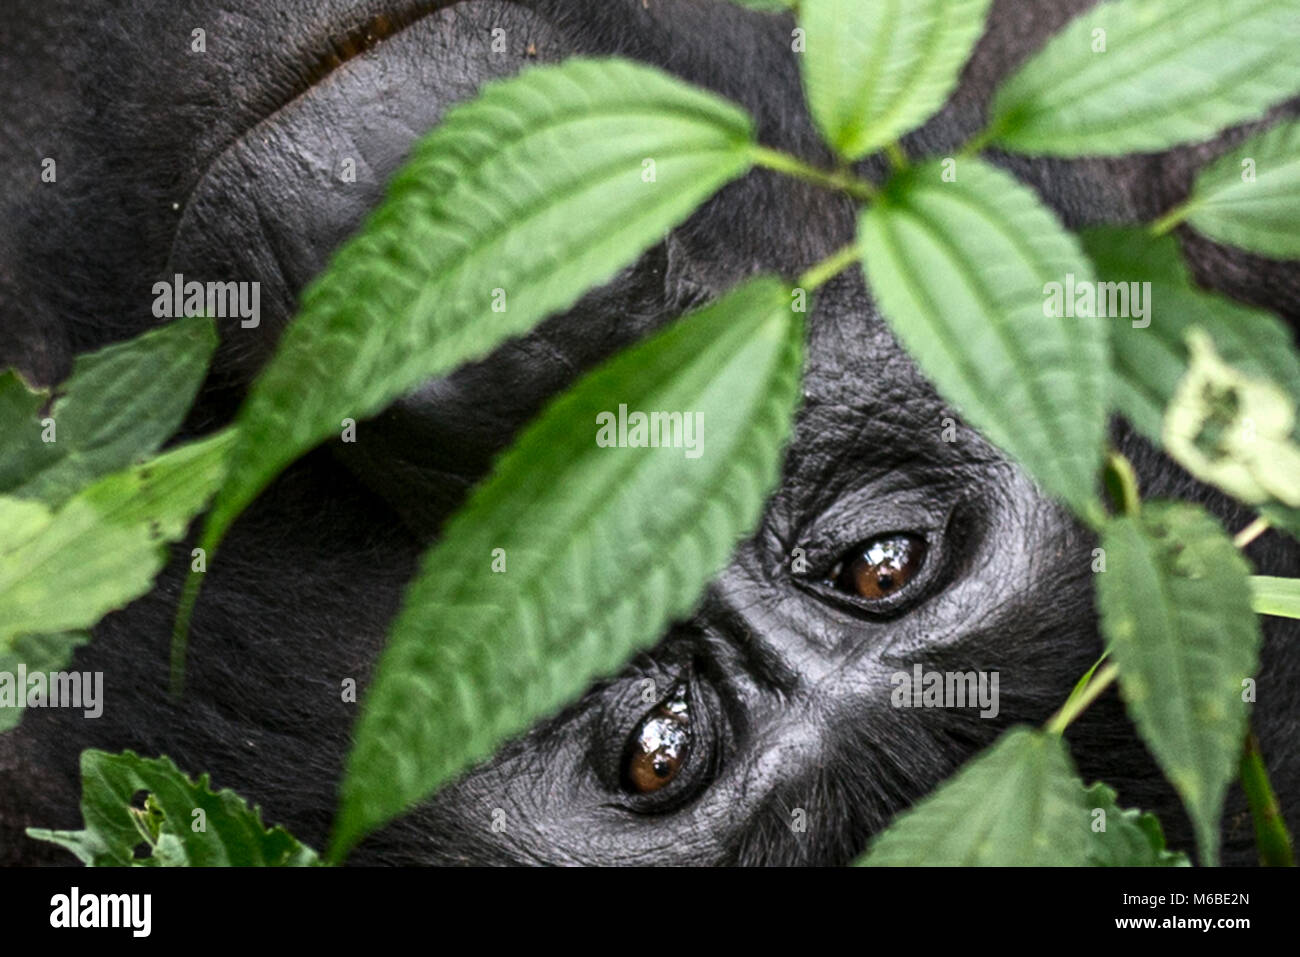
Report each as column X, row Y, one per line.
column 536, row 190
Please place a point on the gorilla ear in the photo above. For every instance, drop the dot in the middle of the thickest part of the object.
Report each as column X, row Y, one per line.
column 272, row 202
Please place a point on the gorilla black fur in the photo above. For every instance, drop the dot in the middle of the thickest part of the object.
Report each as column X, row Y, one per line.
column 221, row 164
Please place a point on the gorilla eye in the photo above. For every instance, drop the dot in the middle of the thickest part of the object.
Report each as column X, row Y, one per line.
column 659, row 746
column 878, row 568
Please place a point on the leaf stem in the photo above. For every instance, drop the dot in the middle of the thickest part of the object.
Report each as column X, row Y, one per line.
column 897, row 158
column 181, row 631
column 1250, row 532
column 839, row 180
column 1172, row 218
column 1078, row 703
column 979, row 141
column 819, row 273
column 1271, row 835
column 1121, row 482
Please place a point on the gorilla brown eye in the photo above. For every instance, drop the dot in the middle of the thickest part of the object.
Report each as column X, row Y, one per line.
column 879, row 568
column 659, row 745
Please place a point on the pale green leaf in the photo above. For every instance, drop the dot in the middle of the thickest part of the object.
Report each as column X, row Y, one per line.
column 118, row 406
column 961, row 271
column 35, row 653
column 1017, row 804
column 1250, row 197
column 182, row 822
column 1150, row 354
column 1275, row 596
column 1175, row 607
column 65, row 569
column 875, row 69
column 517, row 204
column 1232, row 430
column 1171, row 71
column 602, row 548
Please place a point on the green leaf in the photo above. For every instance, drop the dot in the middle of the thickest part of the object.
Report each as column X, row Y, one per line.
column 183, row 823
column 1175, row 607
column 65, row 569
column 118, row 405
column 1150, row 355
column 1131, row 838
column 1275, row 596
column 875, row 69
column 1250, row 197
column 1172, row 71
column 1151, row 359
column 44, row 653
column 1017, row 804
column 602, row 547
column 536, row 192
column 960, row 270
column 1232, row 430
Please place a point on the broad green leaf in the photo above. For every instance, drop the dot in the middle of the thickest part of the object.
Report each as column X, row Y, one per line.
column 43, row 653
column 1126, row 77
column 961, row 271
column 1017, row 804
column 602, row 548
column 118, row 405
column 875, row 69
column 1151, row 359
column 1275, row 596
column 65, row 569
column 1175, row 607
column 517, row 204
column 1129, row 837
column 1150, row 355
column 182, row 823
column 1251, row 196
column 1232, row 430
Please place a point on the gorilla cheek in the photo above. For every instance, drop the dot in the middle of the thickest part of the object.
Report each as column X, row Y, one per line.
column 274, row 204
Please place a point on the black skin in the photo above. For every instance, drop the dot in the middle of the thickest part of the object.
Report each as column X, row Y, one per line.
column 222, row 166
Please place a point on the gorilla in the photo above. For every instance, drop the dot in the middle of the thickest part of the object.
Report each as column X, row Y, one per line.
column 215, row 139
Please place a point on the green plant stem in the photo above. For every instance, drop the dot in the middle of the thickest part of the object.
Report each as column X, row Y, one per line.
column 1086, row 677
column 1250, row 532
column 839, row 180
column 897, row 158
column 1271, row 835
column 979, row 141
column 181, row 629
column 1172, row 218
column 1121, row 482
column 1077, row 704
column 819, row 273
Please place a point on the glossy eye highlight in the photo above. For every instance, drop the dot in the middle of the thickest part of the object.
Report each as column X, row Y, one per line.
column 879, row 567
column 659, row 746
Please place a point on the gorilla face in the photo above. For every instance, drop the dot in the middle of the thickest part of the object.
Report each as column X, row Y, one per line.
column 761, row 729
